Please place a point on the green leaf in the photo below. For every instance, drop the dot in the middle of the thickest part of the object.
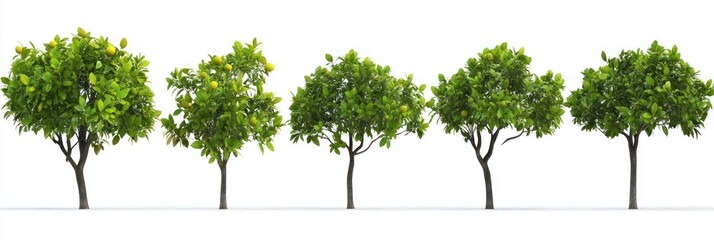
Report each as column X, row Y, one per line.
column 197, row 144
column 115, row 140
column 144, row 63
column 99, row 65
column 270, row 146
column 422, row 87
column 123, row 93
column 646, row 115
column 430, row 103
column 383, row 142
column 649, row 81
column 24, row 79
column 328, row 57
column 100, row 105
column 603, row 56
column 82, row 101
column 92, row 79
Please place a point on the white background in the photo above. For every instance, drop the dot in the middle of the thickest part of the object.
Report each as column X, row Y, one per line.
column 571, row 183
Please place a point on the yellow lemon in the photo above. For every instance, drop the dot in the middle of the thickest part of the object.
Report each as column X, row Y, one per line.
column 217, row 60
column 269, row 67
column 111, row 50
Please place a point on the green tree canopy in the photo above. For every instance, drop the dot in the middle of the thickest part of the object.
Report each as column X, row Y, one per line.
column 641, row 91
column 353, row 103
column 78, row 92
column 224, row 106
column 493, row 92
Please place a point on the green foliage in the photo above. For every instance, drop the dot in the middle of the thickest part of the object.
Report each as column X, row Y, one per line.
column 641, row 91
column 352, row 100
column 497, row 91
column 76, row 86
column 220, row 121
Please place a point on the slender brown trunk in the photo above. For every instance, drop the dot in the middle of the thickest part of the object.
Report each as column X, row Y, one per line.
column 224, row 203
column 79, row 174
column 489, row 189
column 633, row 173
column 350, row 201
column 84, row 139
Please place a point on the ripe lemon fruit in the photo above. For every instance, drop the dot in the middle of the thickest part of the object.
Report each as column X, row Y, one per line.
column 403, row 108
column 253, row 121
column 111, row 50
column 18, row 49
column 227, row 67
column 53, row 44
column 217, row 60
column 269, row 67
column 214, row 84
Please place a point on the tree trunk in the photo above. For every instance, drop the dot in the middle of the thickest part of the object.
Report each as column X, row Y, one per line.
column 350, row 201
column 224, row 203
column 79, row 174
column 633, row 174
column 487, row 180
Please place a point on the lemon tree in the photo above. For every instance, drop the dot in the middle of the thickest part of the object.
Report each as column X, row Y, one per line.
column 79, row 92
column 352, row 104
column 641, row 91
column 221, row 106
column 495, row 92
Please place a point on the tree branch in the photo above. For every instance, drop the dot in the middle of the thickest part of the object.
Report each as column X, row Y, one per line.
column 67, row 153
column 361, row 143
column 349, row 146
column 324, row 136
column 494, row 136
column 511, row 138
column 372, row 142
column 69, row 145
column 477, row 147
column 368, row 146
column 625, row 134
